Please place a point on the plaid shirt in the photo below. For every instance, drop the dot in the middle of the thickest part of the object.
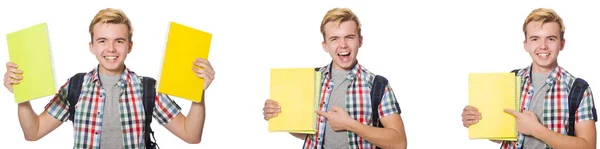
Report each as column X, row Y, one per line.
column 89, row 110
column 556, row 104
column 358, row 105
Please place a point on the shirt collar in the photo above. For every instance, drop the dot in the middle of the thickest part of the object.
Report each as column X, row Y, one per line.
column 125, row 78
column 553, row 77
column 352, row 75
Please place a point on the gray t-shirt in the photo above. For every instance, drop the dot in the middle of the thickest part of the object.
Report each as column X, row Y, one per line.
column 111, row 136
column 540, row 88
column 337, row 140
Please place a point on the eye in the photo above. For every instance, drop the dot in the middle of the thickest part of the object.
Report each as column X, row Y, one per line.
column 534, row 39
column 101, row 41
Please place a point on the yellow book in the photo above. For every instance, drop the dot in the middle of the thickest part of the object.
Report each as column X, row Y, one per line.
column 184, row 45
column 30, row 49
column 297, row 92
column 491, row 93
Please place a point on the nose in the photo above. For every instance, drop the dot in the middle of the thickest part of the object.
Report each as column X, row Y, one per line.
column 343, row 44
column 543, row 45
column 111, row 47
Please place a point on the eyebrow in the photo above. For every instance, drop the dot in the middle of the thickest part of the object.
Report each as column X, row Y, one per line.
column 551, row 36
column 350, row 35
column 102, row 38
column 332, row 37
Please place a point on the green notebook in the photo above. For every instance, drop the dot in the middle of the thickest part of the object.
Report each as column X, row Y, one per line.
column 30, row 49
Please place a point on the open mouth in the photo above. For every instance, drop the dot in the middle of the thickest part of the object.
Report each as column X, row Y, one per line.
column 543, row 55
column 344, row 56
column 110, row 58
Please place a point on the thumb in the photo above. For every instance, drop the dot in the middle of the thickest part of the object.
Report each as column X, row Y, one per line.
column 325, row 114
column 512, row 112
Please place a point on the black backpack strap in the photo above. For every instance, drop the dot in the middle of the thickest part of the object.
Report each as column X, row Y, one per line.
column 575, row 96
column 515, row 71
column 148, row 102
column 74, row 91
column 377, row 91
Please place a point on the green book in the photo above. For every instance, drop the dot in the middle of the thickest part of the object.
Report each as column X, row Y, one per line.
column 29, row 48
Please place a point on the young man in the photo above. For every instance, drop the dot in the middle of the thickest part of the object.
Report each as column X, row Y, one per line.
column 109, row 112
column 345, row 119
column 542, row 119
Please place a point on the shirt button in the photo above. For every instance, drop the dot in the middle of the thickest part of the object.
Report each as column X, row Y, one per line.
column 101, row 96
column 98, row 112
column 96, row 133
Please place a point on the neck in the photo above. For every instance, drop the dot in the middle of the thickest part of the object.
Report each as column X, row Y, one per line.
column 104, row 71
column 337, row 67
column 543, row 70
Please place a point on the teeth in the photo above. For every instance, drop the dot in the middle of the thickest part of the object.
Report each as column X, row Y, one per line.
column 543, row 55
column 110, row 57
column 344, row 53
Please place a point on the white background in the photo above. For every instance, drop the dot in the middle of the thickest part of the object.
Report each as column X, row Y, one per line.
column 425, row 48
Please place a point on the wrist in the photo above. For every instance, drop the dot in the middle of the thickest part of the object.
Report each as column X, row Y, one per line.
column 23, row 103
column 352, row 125
column 538, row 131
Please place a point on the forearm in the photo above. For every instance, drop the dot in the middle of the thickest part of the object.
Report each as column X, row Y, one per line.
column 299, row 135
column 386, row 138
column 560, row 141
column 29, row 121
column 194, row 123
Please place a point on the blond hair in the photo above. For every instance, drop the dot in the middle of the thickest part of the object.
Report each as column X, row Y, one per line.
column 113, row 16
column 542, row 16
column 337, row 16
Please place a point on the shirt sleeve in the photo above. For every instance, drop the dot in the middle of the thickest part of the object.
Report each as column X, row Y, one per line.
column 58, row 107
column 587, row 109
column 165, row 109
column 389, row 105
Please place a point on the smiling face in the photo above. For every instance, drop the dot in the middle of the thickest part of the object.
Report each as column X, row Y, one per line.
column 342, row 42
column 544, row 39
column 543, row 43
column 110, row 44
column 111, row 34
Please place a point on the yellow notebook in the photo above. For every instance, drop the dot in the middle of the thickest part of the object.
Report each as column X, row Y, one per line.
column 491, row 93
column 30, row 49
column 184, row 45
column 297, row 92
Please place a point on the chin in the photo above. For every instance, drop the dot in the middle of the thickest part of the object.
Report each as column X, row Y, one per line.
column 110, row 66
column 546, row 64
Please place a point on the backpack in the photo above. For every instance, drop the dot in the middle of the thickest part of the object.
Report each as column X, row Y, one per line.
column 577, row 90
column 148, row 96
column 377, row 91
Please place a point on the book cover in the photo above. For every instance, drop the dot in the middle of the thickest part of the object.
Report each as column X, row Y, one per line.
column 29, row 48
column 297, row 92
column 491, row 93
column 184, row 45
